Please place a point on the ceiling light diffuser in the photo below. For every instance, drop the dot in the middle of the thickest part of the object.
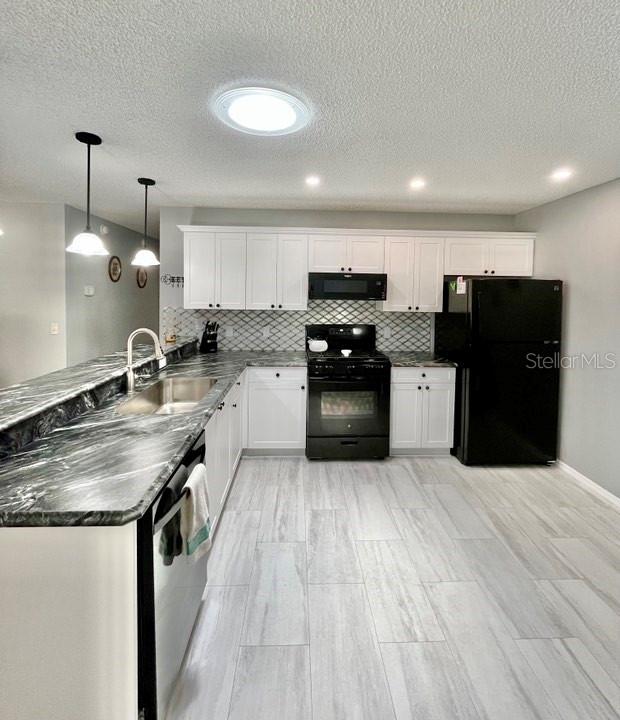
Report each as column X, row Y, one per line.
column 561, row 174
column 417, row 183
column 313, row 180
column 261, row 111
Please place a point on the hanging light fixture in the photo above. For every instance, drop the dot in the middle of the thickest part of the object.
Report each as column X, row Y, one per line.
column 87, row 242
column 145, row 257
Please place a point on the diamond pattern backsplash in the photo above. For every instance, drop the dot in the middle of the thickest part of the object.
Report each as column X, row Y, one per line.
column 284, row 330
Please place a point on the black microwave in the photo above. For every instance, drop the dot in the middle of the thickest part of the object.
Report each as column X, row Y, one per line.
column 347, row 286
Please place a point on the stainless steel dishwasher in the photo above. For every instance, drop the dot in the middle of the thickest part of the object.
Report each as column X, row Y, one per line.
column 170, row 589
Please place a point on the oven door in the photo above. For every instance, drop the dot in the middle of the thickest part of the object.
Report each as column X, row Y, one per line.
column 348, row 407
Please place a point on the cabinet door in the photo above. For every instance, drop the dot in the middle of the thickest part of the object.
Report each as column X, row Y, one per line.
column 276, row 415
column 438, row 416
column 327, row 253
column 511, row 256
column 199, row 270
column 466, row 256
column 406, row 415
column 217, row 476
column 262, row 271
column 292, row 272
column 230, row 266
column 235, row 427
column 399, row 255
column 428, row 275
column 365, row 254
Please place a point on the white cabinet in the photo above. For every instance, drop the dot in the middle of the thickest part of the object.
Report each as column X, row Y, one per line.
column 235, row 426
column 346, row 253
column 414, row 268
column 422, row 408
column 277, row 271
column 504, row 256
column 214, row 267
column 262, row 271
column 276, row 409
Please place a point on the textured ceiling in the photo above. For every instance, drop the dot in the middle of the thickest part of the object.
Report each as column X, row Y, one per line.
column 483, row 98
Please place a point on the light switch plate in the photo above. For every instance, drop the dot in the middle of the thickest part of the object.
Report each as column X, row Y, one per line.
column 387, row 333
column 229, row 331
column 266, row 332
column 89, row 290
column 54, row 328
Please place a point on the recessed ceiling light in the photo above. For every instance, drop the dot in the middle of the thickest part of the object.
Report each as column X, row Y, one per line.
column 417, row 183
column 1, row 232
column 261, row 111
column 313, row 180
column 561, row 174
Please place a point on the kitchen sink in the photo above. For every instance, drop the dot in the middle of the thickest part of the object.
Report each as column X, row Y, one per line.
column 170, row 396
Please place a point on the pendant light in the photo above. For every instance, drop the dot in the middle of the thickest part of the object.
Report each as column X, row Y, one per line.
column 87, row 242
column 145, row 257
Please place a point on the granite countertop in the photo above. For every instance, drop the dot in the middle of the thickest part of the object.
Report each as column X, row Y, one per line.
column 33, row 397
column 418, row 359
column 105, row 468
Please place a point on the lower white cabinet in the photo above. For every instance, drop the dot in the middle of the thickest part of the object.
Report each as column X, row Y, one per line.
column 235, row 426
column 276, row 408
column 422, row 408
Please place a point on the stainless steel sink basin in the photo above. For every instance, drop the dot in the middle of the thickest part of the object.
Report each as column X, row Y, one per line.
column 170, row 396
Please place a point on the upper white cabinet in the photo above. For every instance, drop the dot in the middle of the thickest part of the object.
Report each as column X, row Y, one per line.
column 346, row 253
column 277, row 271
column 507, row 256
column 214, row 267
column 414, row 268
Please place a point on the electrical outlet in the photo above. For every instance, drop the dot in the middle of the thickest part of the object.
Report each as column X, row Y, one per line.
column 89, row 290
column 266, row 331
column 387, row 333
column 229, row 331
column 54, row 328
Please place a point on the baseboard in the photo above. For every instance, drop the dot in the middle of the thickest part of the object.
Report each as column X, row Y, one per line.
column 423, row 452
column 589, row 484
column 272, row 452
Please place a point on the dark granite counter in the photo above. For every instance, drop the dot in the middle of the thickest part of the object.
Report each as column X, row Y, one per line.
column 104, row 468
column 418, row 359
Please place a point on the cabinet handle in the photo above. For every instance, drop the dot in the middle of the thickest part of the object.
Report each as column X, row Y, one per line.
column 409, row 308
column 419, row 387
column 277, row 374
column 210, row 304
column 349, row 269
column 279, row 306
column 217, row 304
column 272, row 306
column 492, row 272
column 342, row 269
column 235, row 405
column 427, row 387
column 239, row 382
column 303, row 387
column 417, row 307
column 486, row 271
column 423, row 374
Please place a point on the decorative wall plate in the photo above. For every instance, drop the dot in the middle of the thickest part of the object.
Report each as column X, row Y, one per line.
column 115, row 268
column 141, row 277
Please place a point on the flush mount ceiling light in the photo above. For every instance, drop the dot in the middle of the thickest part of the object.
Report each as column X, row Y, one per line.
column 561, row 174
column 87, row 242
column 261, row 111
column 313, row 180
column 417, row 183
column 145, row 257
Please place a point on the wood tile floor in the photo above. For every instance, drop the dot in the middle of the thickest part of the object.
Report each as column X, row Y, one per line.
column 414, row 588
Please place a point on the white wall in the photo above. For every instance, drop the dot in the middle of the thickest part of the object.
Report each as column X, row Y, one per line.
column 579, row 242
column 100, row 324
column 171, row 239
column 32, row 290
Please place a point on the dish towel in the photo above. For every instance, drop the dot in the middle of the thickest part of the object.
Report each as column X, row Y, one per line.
column 195, row 520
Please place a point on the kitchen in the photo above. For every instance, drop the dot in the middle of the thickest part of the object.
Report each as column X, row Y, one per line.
column 302, row 465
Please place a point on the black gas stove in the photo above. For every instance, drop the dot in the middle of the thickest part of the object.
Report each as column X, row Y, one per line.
column 349, row 394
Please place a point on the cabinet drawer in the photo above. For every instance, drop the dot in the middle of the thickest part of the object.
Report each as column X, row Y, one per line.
column 277, row 374
column 423, row 374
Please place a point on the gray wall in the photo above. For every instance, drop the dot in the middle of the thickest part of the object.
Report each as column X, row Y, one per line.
column 171, row 239
column 579, row 242
column 100, row 324
column 32, row 290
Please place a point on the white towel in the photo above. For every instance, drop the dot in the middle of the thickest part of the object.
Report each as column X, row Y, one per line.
column 195, row 520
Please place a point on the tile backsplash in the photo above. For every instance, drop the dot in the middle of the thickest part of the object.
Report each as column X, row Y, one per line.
column 284, row 330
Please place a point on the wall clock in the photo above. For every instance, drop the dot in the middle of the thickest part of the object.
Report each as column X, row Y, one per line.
column 115, row 268
column 141, row 277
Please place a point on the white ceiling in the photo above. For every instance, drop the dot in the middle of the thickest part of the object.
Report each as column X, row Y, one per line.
column 481, row 97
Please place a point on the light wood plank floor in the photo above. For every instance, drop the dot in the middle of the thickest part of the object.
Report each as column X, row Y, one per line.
column 409, row 589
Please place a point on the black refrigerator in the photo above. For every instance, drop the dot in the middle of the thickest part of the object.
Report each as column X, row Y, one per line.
column 505, row 335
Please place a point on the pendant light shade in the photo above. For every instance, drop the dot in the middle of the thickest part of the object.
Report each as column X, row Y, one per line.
column 145, row 257
column 87, row 242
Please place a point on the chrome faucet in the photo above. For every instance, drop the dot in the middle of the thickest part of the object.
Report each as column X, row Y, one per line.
column 159, row 355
